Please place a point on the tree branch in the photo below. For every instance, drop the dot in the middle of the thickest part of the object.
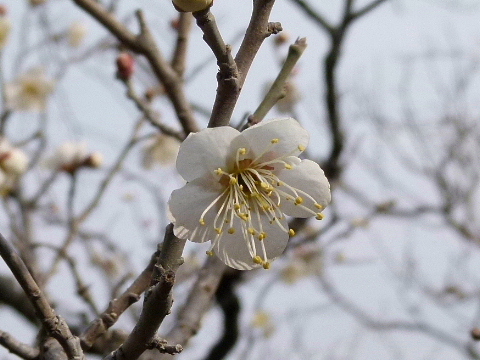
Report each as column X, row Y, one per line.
column 53, row 324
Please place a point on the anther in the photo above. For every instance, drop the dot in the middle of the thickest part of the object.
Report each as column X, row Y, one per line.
column 218, row 230
column 251, row 231
column 275, row 141
column 231, row 231
column 319, row 216
column 319, row 206
column 202, row 221
column 291, row 232
column 242, row 151
column 298, row 200
column 218, row 171
column 301, row 147
column 288, row 167
column 257, row 260
column 266, row 265
column 262, row 236
column 210, row 253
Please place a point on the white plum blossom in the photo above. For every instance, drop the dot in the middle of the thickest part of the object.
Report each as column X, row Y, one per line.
column 72, row 155
column 30, row 91
column 162, row 150
column 240, row 187
column 76, row 34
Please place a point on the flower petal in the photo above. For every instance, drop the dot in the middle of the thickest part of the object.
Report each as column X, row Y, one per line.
column 186, row 206
column 290, row 138
column 307, row 177
column 203, row 152
column 234, row 251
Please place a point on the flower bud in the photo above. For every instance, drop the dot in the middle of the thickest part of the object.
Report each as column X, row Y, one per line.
column 125, row 65
column 94, row 160
column 192, row 5
column 14, row 162
column 76, row 34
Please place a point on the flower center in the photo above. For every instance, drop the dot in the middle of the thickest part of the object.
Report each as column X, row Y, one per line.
column 252, row 197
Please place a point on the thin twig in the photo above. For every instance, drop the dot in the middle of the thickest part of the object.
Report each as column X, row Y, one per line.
column 277, row 90
column 17, row 347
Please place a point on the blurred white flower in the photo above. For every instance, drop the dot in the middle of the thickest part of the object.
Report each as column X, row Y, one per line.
column 76, row 34
column 263, row 321
column 306, row 261
column 72, row 155
column 239, row 187
column 30, row 91
column 5, row 27
column 162, row 150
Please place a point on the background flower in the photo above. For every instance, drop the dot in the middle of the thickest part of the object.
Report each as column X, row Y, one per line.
column 30, row 91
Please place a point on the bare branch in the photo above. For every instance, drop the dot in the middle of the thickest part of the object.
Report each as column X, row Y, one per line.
column 18, row 348
column 53, row 324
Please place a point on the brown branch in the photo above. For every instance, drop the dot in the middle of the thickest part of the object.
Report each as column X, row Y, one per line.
column 118, row 306
column 180, row 53
column 150, row 115
column 227, row 77
column 18, row 348
column 199, row 301
column 145, row 44
column 53, row 324
column 314, row 15
column 158, row 300
column 229, row 88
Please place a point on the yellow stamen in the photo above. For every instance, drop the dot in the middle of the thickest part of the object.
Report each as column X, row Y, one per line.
column 262, row 236
column 275, row 141
column 218, row 230
column 301, row 147
column 298, row 200
column 231, row 231
column 202, row 221
column 266, row 265
column 319, row 206
column 291, row 232
column 210, row 253
column 257, row 260
column 319, row 216
column 288, row 167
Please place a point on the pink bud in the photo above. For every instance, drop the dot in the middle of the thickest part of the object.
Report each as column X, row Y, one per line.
column 125, row 65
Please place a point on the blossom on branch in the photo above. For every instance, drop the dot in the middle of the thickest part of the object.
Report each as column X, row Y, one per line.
column 71, row 156
column 240, row 187
column 192, row 5
column 30, row 91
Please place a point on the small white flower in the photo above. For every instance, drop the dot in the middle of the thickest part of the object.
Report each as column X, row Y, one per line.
column 70, row 156
column 163, row 150
column 30, row 91
column 241, row 186
column 5, row 27
column 76, row 34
